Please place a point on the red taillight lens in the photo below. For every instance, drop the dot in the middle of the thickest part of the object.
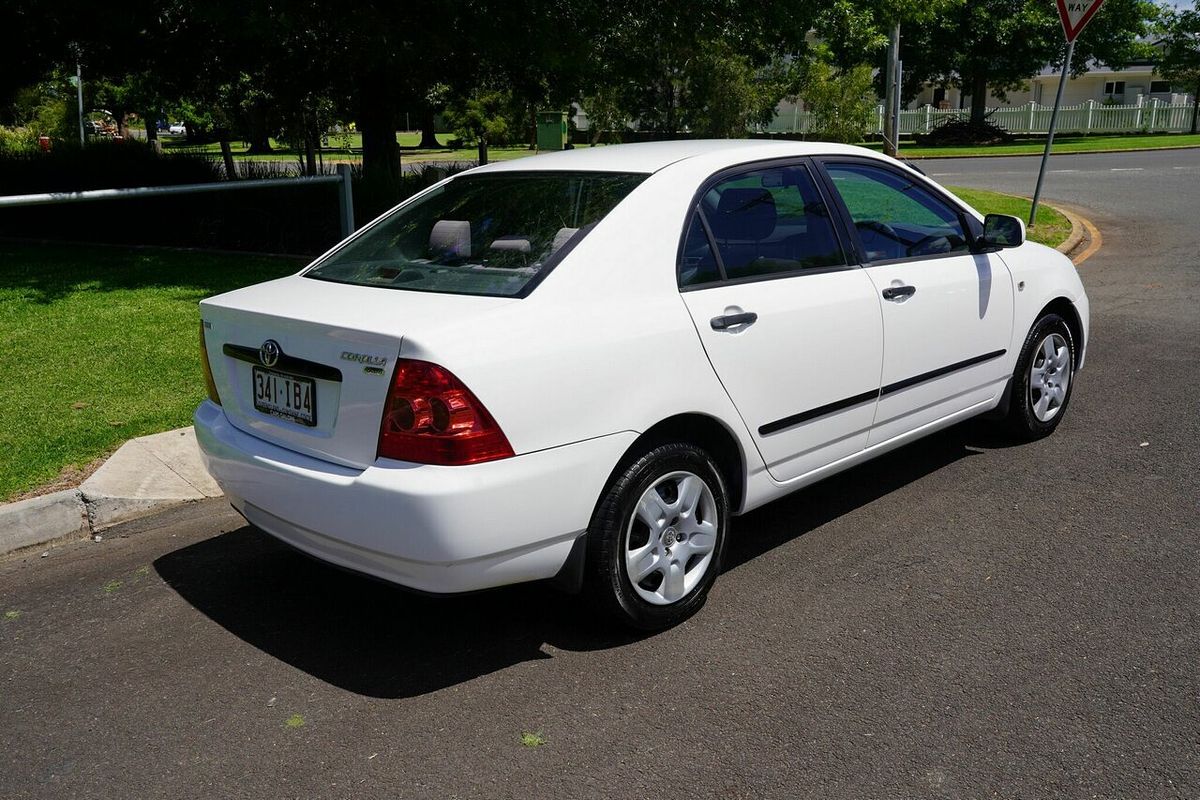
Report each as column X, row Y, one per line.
column 431, row 417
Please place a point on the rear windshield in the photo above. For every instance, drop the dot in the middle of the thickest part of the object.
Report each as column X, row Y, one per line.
column 480, row 234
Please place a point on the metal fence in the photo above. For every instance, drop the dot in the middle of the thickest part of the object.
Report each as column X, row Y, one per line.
column 342, row 179
column 1146, row 116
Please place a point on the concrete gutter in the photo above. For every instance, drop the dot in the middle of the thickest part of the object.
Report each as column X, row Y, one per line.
column 145, row 476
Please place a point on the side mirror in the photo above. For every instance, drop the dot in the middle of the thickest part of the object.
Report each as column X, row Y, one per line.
column 1001, row 230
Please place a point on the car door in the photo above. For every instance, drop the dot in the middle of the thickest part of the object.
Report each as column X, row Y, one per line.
column 947, row 311
column 793, row 331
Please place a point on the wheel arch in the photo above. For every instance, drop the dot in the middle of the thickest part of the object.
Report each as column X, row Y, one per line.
column 703, row 431
column 706, row 432
column 1066, row 309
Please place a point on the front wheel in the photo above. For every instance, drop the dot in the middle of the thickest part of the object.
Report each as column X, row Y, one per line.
column 1043, row 382
column 657, row 537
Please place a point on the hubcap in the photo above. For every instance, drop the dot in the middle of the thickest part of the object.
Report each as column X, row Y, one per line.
column 1049, row 377
column 670, row 538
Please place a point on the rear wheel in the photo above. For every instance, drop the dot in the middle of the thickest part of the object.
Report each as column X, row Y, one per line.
column 1043, row 381
column 656, row 540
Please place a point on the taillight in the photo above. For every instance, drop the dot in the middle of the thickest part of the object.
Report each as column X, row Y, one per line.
column 431, row 417
column 209, row 383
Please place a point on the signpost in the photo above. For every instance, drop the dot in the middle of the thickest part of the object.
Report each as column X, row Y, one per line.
column 1074, row 14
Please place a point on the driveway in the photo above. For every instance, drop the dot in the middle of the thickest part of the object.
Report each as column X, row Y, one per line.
column 958, row 619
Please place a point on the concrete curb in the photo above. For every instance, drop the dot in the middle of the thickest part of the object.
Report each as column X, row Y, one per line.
column 145, row 476
column 1076, row 234
column 41, row 520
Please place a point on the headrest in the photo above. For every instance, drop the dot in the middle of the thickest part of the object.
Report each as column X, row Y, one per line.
column 562, row 237
column 518, row 244
column 450, row 238
column 744, row 214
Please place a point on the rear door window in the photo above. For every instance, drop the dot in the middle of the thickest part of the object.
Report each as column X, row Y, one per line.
column 763, row 222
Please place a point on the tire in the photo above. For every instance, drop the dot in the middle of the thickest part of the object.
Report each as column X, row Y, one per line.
column 1043, row 380
column 667, row 514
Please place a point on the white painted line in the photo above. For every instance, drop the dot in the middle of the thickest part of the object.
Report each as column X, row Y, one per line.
column 1064, row 170
column 1126, row 169
column 943, row 174
column 1182, row 167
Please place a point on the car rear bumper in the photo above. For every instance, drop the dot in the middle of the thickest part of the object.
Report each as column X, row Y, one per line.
column 431, row 528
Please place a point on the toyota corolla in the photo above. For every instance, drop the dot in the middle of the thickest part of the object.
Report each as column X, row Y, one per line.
column 579, row 366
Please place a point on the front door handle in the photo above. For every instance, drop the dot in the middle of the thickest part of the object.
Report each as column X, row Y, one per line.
column 722, row 323
column 899, row 292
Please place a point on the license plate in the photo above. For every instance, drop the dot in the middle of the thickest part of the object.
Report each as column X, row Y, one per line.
column 286, row 396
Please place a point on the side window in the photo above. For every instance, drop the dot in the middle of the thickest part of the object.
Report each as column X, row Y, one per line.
column 697, row 264
column 762, row 222
column 895, row 216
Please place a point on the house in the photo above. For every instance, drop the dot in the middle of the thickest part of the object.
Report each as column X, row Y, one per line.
column 1100, row 83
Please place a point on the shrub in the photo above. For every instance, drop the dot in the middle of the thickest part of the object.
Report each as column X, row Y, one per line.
column 963, row 131
column 17, row 140
column 841, row 100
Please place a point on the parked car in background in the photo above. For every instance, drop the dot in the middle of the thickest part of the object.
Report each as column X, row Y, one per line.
column 177, row 129
column 578, row 366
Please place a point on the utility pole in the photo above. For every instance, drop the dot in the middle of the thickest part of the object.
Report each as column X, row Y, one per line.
column 891, row 119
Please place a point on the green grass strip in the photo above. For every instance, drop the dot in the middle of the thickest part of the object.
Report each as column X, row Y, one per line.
column 99, row 345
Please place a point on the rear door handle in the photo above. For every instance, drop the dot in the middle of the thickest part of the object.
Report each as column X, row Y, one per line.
column 899, row 292
column 746, row 318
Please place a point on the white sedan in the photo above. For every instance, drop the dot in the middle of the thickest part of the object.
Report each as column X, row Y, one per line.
column 578, row 366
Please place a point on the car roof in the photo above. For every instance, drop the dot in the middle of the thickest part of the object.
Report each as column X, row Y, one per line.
column 653, row 156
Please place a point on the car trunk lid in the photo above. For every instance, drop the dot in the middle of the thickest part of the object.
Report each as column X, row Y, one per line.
column 306, row 364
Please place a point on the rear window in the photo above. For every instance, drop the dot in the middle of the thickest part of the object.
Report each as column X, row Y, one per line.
column 480, row 234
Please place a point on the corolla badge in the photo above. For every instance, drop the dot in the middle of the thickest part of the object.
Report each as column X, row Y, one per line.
column 269, row 353
column 364, row 359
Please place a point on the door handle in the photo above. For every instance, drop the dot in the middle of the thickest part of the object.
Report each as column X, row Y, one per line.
column 899, row 292
column 733, row 320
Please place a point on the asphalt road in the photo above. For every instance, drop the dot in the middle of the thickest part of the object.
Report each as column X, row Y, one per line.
column 957, row 619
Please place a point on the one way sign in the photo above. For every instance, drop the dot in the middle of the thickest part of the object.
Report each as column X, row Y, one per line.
column 1075, row 14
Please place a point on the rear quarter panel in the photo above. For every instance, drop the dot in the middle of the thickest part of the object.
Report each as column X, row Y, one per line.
column 603, row 345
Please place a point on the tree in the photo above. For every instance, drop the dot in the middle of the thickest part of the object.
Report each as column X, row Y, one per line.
column 1181, row 54
column 1001, row 44
column 705, row 65
column 841, row 99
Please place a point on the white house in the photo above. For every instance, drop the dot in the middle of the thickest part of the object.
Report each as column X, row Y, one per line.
column 1100, row 83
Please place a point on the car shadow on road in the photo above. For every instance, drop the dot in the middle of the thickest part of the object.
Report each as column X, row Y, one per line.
column 378, row 640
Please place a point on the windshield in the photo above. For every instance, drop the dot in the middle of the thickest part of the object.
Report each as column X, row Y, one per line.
column 480, row 234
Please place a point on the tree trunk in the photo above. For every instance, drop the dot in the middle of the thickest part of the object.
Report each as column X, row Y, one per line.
column 151, row 124
column 483, row 155
column 310, row 153
column 227, row 156
column 380, row 151
column 256, row 121
column 533, row 126
column 428, row 134
column 978, row 98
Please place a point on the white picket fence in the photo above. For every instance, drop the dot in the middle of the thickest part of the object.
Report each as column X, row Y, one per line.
column 1149, row 116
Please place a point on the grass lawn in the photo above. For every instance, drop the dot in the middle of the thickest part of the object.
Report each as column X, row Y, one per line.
column 1062, row 145
column 1052, row 227
column 99, row 345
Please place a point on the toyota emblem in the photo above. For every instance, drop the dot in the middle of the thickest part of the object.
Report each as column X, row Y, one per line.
column 268, row 354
